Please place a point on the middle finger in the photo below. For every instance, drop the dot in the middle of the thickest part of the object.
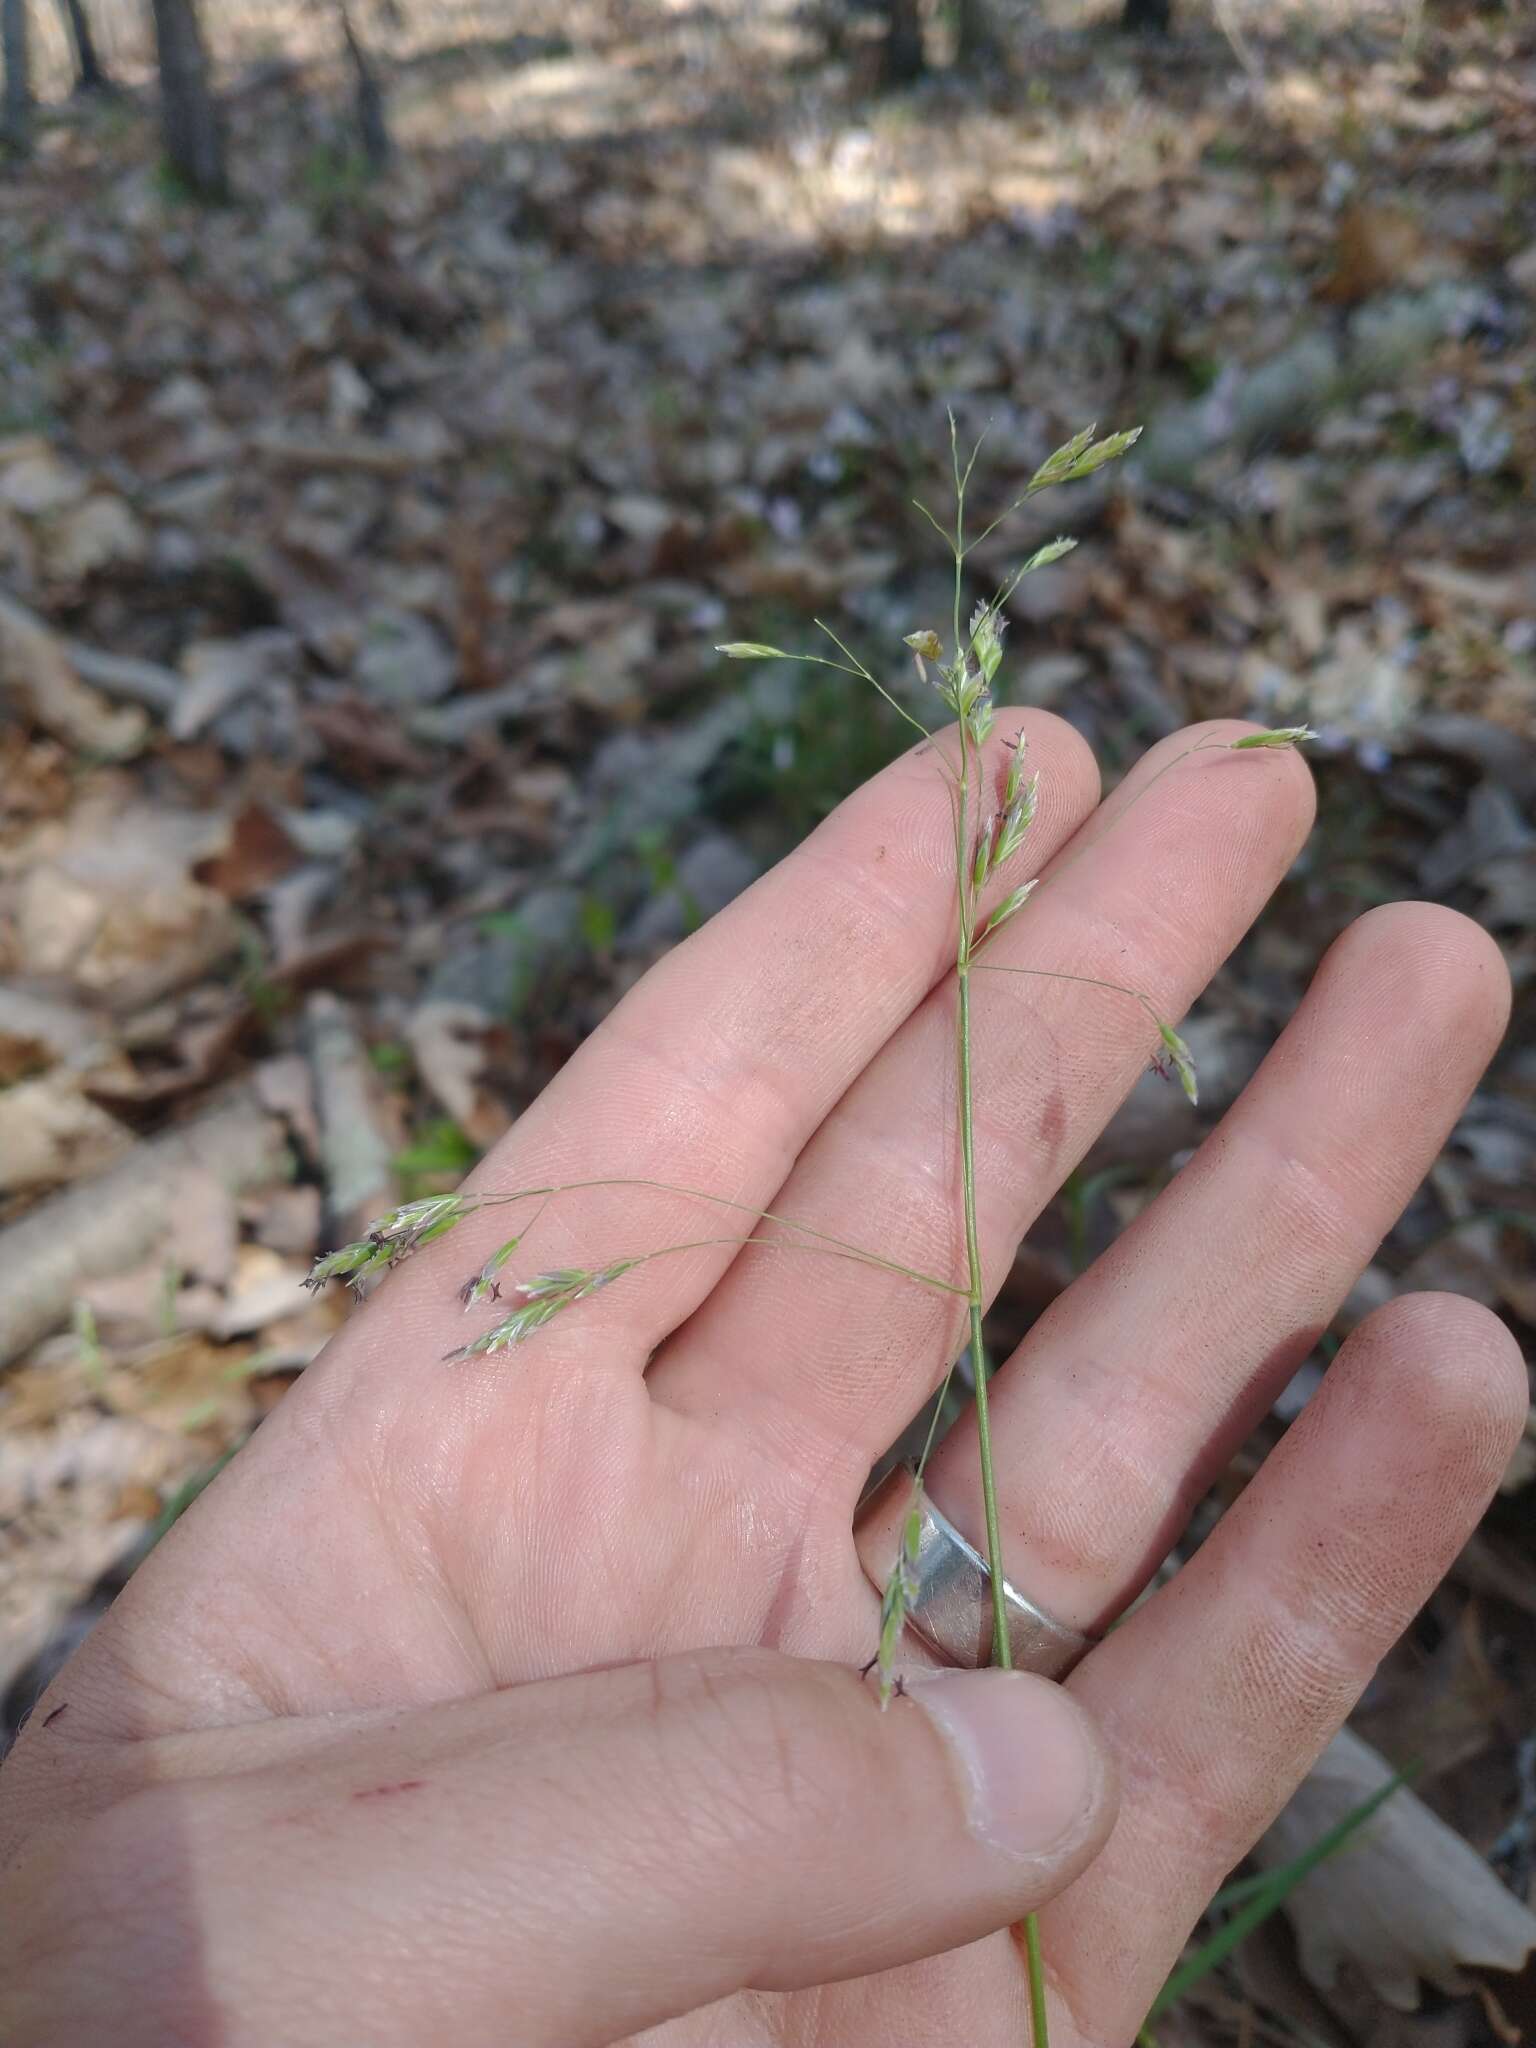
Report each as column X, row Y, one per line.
column 829, row 1360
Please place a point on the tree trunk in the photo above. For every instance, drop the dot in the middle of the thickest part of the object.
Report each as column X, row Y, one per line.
column 16, row 122
column 1153, row 17
column 901, row 54
column 89, row 75
column 976, row 41
column 189, row 115
column 372, row 121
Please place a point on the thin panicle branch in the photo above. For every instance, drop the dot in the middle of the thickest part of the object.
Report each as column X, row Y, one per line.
column 939, row 530
column 1180, row 1059
column 394, row 1236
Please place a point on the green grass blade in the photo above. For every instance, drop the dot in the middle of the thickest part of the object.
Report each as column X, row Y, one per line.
column 1264, row 1894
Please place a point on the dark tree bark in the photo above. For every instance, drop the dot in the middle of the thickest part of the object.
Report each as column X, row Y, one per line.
column 1154, row 17
column 976, row 40
column 89, row 74
column 372, row 121
column 190, row 126
column 15, row 45
column 901, row 52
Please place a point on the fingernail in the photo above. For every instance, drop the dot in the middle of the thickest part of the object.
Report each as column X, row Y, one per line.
column 1033, row 1774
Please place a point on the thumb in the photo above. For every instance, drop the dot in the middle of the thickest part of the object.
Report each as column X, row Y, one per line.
column 572, row 1861
column 764, row 1825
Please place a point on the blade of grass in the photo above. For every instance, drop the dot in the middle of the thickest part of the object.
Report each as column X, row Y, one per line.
column 184, row 1496
column 1264, row 1895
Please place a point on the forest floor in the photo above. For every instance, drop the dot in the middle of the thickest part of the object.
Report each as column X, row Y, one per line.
column 362, row 548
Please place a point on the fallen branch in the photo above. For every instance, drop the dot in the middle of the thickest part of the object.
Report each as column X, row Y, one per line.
column 36, row 671
column 352, row 452
column 123, row 675
column 114, row 1222
column 355, row 1155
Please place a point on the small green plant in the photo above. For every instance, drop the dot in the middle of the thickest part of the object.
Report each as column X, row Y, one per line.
column 389, row 1057
column 796, row 763
column 171, row 186
column 336, row 179
column 1245, row 1904
column 992, row 886
column 599, row 922
column 171, row 1278
column 268, row 999
column 439, row 1150
column 183, row 1496
column 93, row 1359
column 653, row 850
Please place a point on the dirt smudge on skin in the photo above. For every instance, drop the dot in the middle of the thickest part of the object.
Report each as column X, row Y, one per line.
column 1053, row 1122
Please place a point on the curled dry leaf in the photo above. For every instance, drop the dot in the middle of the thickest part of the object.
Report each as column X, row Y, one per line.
column 37, row 482
column 53, row 1058
column 449, row 1040
column 116, row 909
column 1407, row 1901
column 219, row 673
column 103, row 533
column 51, row 1132
column 257, row 852
column 36, row 1031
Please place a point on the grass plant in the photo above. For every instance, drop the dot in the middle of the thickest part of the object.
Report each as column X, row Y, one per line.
column 992, row 887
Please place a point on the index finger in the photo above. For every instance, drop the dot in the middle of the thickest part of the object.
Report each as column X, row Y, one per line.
column 718, row 1067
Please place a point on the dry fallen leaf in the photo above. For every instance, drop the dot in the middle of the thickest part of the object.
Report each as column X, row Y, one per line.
column 257, row 853
column 51, row 1132
column 219, row 673
column 37, row 674
column 1407, row 1901
column 34, row 1032
column 117, row 909
column 102, row 533
column 449, row 1041
column 1376, row 248
column 35, row 481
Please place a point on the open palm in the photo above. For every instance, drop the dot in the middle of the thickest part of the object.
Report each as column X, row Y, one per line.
column 361, row 1602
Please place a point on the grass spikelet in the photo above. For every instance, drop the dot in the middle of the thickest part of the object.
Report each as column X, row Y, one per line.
column 898, row 1600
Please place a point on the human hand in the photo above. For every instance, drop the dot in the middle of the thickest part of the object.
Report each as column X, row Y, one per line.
column 418, row 1726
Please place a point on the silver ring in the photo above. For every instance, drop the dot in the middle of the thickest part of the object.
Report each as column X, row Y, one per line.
column 953, row 1608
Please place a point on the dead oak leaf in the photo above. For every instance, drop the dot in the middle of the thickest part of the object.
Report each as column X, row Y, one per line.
column 1407, row 1901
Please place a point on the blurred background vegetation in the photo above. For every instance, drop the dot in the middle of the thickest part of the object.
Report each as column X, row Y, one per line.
column 395, row 407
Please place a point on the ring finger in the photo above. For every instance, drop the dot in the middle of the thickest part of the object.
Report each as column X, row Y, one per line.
column 1131, row 1392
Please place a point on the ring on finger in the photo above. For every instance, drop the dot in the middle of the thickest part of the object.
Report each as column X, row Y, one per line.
column 952, row 1609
